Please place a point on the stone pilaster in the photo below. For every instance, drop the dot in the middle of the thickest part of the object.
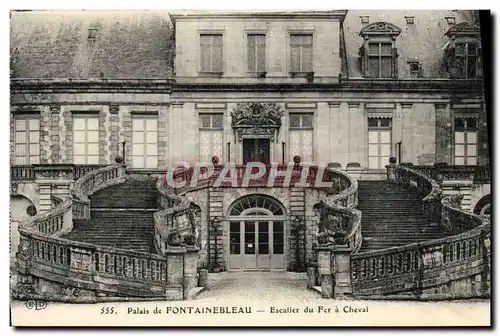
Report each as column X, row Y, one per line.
column 325, row 271
column 342, row 272
column 190, row 272
column 113, row 148
column 54, row 133
column 175, row 272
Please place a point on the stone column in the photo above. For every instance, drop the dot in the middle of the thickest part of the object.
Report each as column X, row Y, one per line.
column 325, row 270
column 190, row 270
column 342, row 272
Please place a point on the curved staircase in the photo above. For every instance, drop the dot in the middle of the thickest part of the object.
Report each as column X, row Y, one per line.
column 393, row 216
column 121, row 216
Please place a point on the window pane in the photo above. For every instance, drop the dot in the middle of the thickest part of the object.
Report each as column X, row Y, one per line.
column 138, row 137
column 79, row 136
column 307, row 120
column 307, row 59
column 460, row 48
column 138, row 161
column 34, row 124
column 152, row 137
column 93, row 136
column 459, row 123
column 295, row 39
column 79, row 149
column 373, row 162
column 252, row 58
column 294, row 120
column 151, row 150
column 471, row 137
column 459, row 160
column 138, row 149
column 471, row 123
column 151, row 125
column 20, row 149
column 151, row 162
column 35, row 159
column 471, row 67
column 261, row 58
column 217, row 58
column 471, row 161
column 79, row 159
column 385, row 137
column 373, row 48
column 205, row 39
column 373, row 150
column 373, row 65
column 372, row 122
column 216, row 120
column 373, row 137
column 93, row 149
column 384, row 161
column 217, row 39
column 459, row 150
column 93, row 123
column 459, row 137
column 471, row 49
column 205, row 120
column 20, row 137
column 20, row 124
column 20, row 160
column 386, row 49
column 93, row 159
column 385, row 150
column 385, row 122
column 34, row 137
column 79, row 123
column 386, row 67
column 206, row 60
column 307, row 39
column 471, row 150
column 295, row 59
column 138, row 124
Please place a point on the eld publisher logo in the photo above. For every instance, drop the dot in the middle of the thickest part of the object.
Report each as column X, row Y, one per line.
column 36, row 304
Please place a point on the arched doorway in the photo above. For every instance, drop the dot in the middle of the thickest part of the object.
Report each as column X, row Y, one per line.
column 256, row 234
column 483, row 206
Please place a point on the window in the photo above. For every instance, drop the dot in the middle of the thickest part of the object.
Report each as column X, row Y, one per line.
column 211, row 120
column 301, row 52
column 379, row 142
column 85, row 139
column 465, row 141
column 301, row 120
column 467, row 59
column 211, row 52
column 379, row 60
column 301, row 136
column 256, row 50
column 378, row 53
column 26, row 139
column 210, row 136
column 144, row 141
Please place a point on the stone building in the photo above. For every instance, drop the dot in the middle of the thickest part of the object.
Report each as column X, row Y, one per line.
column 343, row 89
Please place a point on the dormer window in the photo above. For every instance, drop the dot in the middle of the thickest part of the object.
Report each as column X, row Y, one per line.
column 378, row 52
column 463, row 51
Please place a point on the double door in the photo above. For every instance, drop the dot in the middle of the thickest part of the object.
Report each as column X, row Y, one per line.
column 256, row 245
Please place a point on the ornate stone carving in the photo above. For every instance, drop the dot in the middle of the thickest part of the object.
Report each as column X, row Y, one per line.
column 256, row 119
column 380, row 28
column 463, row 28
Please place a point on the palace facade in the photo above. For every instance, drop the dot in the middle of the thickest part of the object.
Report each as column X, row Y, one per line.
column 354, row 91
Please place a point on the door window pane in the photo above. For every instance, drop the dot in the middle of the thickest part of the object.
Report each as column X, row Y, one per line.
column 26, row 139
column 234, row 238
column 144, row 141
column 278, row 238
column 249, row 238
column 263, row 238
column 86, row 139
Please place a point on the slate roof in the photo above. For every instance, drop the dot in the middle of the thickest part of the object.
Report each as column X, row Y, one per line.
column 55, row 44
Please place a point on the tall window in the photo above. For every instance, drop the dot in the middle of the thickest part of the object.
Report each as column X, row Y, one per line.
column 256, row 52
column 467, row 59
column 380, row 59
column 211, row 52
column 301, row 136
column 26, row 139
column 301, row 46
column 379, row 142
column 144, row 141
column 210, row 132
column 465, row 141
column 85, row 139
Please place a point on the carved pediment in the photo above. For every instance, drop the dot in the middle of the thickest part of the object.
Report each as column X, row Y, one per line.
column 380, row 28
column 256, row 114
column 464, row 28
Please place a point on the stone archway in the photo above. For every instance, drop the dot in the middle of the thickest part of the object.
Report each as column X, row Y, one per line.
column 483, row 206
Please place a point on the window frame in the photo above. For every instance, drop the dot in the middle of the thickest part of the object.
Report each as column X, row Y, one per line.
column 463, row 71
column 465, row 143
column 27, row 156
column 301, row 70
column 86, row 117
column 379, row 128
column 211, row 115
column 248, row 69
column 143, row 117
column 211, row 71
column 301, row 115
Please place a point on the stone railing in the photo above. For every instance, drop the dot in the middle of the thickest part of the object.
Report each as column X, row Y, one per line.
column 425, row 270
column 77, row 271
column 443, row 172
column 22, row 173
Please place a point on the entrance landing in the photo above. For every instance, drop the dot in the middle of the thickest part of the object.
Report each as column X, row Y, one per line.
column 248, row 287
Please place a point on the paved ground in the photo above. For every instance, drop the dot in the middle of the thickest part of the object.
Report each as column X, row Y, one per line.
column 262, row 286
